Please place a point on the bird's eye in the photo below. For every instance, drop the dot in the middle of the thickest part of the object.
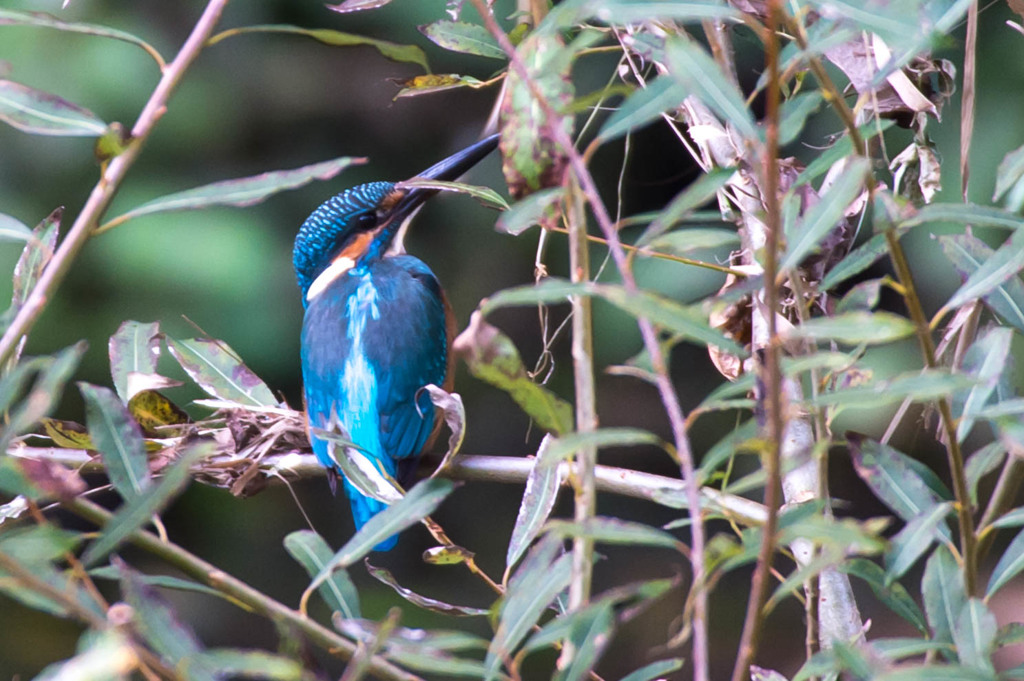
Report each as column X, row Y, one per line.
column 366, row 221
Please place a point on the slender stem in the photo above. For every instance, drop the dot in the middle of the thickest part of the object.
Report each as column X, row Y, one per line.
column 108, row 184
column 771, row 373
column 1001, row 501
column 666, row 390
column 968, row 540
column 241, row 592
column 586, row 402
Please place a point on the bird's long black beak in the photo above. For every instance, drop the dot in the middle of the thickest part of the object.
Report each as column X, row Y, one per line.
column 447, row 170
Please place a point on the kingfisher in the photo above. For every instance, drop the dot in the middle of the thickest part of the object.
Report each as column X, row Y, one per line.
column 377, row 327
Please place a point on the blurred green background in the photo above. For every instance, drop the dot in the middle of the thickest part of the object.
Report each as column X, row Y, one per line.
column 264, row 102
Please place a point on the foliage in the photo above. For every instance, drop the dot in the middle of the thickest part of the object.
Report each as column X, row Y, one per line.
column 796, row 327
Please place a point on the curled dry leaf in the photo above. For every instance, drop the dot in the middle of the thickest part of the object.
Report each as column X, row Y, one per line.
column 52, row 479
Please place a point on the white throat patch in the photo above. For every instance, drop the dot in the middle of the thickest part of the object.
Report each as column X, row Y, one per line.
column 337, row 268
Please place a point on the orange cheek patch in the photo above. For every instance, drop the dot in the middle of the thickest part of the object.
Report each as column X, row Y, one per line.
column 355, row 250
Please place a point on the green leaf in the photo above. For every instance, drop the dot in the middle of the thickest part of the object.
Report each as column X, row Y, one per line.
column 921, row 386
column 944, row 595
column 485, row 195
column 41, row 113
column 39, row 545
column 535, row 209
column 1014, row 518
column 621, row 12
column 9, row 17
column 245, row 191
column 893, row 596
column 854, row 328
column 436, row 662
column 312, row 553
column 119, row 440
column 699, row 75
column 699, row 192
column 436, row 82
column 542, row 576
column 418, row 503
column 975, row 636
column 794, row 113
column 613, row 531
column 968, row 253
column 410, row 54
column 994, row 272
column 589, row 636
column 821, row 218
column 981, row 463
column 966, row 214
column 913, row 540
column 684, row 241
column 895, row 483
column 53, row 374
column 661, row 95
column 492, row 357
column 841, row 149
column 539, row 497
column 135, row 348
column 932, row 672
column 1009, row 566
column 1010, row 171
column 366, row 631
column 431, row 604
column 136, row 512
column 900, row 648
column 217, row 369
column 655, row 670
column 162, row 581
column 245, row 664
column 858, row 260
column 459, row 36
column 102, row 656
column 35, row 257
column 986, row 360
column 567, row 445
column 12, row 229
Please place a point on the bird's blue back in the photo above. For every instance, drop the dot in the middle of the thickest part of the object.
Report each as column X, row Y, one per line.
column 370, row 341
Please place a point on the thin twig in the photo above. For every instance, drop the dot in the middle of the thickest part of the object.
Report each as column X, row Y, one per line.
column 109, row 182
column 666, row 390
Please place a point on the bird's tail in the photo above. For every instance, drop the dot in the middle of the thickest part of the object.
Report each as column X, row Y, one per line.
column 364, row 508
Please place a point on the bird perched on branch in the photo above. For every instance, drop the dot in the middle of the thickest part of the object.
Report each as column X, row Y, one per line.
column 377, row 327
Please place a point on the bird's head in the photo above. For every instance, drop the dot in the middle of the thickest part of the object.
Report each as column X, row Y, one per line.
column 358, row 225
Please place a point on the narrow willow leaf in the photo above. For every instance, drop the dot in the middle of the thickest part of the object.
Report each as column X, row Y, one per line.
column 841, row 149
column 410, row 54
column 861, row 298
column 156, row 620
column 893, row 596
column 794, row 113
column 485, row 195
column 933, row 672
column 920, row 386
column 100, row 656
column 900, row 648
column 138, row 511
column 1009, row 566
column 216, row 368
column 12, row 229
column 119, row 440
column 944, row 595
column 312, row 553
column 1011, row 169
column 853, row 328
column 53, row 374
column 858, row 260
column 589, row 636
column 492, row 357
column 245, row 191
column 986, row 360
column 699, row 192
column 242, row 664
column 623, row 12
column 366, row 631
column 895, row 483
column 684, row 241
column 1014, row 518
column 460, row 36
column 40, row 544
column 981, row 463
column 436, row 82
column 538, row 582
column 968, row 253
column 11, row 17
column 134, row 348
column 454, row 413
column 362, row 471
column 41, row 113
column 1004, row 265
column 35, row 257
column 699, row 75
column 660, row 96
column 821, row 218
column 566, row 445
column 655, row 670
column 913, row 540
column 966, row 214
column 436, row 662
column 975, row 636
column 357, row 5
column 535, row 209
column 162, row 581
column 431, row 604
column 418, row 503
column 1010, row 634
column 613, row 531
column 539, row 497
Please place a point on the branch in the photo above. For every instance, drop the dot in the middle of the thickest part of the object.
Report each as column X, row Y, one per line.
column 108, row 184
